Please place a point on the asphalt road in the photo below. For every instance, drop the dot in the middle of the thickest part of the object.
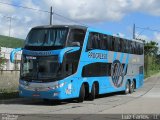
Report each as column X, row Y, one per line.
column 145, row 100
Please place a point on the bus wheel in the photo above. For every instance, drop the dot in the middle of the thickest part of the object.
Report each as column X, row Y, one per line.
column 127, row 87
column 93, row 92
column 81, row 94
column 132, row 86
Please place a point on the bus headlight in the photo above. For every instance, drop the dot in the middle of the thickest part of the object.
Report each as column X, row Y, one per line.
column 23, row 86
column 59, row 85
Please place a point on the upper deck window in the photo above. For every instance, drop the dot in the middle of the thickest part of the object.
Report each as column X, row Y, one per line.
column 76, row 35
column 47, row 37
column 107, row 42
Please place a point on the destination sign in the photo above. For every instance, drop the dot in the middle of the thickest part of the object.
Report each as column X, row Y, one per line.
column 38, row 53
column 97, row 55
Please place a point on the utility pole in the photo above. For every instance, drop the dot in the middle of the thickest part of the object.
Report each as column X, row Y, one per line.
column 10, row 23
column 134, row 31
column 51, row 13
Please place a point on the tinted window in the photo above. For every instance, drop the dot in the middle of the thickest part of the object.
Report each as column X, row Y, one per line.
column 97, row 69
column 112, row 43
column 104, row 42
column 94, row 41
column 76, row 35
column 47, row 37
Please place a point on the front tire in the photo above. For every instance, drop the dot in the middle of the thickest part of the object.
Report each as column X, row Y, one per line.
column 132, row 86
column 81, row 94
column 127, row 88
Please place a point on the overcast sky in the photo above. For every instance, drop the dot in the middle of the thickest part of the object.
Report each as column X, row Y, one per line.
column 114, row 16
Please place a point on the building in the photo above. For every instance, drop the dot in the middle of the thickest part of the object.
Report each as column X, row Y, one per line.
column 5, row 53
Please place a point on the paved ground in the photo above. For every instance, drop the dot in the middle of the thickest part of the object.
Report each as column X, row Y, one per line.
column 145, row 100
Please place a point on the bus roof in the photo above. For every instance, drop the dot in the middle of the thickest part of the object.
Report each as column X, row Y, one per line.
column 59, row 26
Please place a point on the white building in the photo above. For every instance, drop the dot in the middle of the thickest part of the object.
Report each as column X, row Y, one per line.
column 5, row 53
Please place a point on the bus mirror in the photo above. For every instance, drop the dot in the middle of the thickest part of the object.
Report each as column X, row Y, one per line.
column 12, row 55
column 75, row 44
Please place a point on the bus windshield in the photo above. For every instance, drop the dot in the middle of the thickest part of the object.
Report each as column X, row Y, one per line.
column 40, row 68
column 47, row 37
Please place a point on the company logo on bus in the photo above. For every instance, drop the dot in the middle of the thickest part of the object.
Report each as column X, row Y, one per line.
column 117, row 73
column 97, row 55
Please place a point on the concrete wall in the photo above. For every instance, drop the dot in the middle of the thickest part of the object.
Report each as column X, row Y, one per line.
column 9, row 81
column 5, row 53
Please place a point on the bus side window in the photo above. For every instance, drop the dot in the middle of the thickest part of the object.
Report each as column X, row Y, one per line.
column 113, row 43
column 116, row 44
column 76, row 35
column 125, row 44
column 89, row 43
column 134, row 44
column 121, row 45
column 109, row 45
column 130, row 47
column 141, row 47
column 103, row 42
column 96, row 41
column 93, row 41
column 137, row 48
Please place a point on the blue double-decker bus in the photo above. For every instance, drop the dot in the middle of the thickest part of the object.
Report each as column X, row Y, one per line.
column 67, row 61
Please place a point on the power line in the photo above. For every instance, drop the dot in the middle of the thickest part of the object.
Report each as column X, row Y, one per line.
column 69, row 19
column 24, row 7
column 149, row 29
column 45, row 11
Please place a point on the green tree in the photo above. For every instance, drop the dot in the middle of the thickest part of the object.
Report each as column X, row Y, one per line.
column 151, row 48
column 151, row 53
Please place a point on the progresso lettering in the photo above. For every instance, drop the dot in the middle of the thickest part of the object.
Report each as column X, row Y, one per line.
column 97, row 55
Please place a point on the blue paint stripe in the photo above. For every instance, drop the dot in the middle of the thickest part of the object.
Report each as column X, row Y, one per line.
column 121, row 59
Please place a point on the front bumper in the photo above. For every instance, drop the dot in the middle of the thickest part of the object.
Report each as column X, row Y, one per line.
column 50, row 94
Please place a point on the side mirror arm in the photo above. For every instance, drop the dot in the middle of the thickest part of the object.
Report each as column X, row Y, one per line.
column 12, row 55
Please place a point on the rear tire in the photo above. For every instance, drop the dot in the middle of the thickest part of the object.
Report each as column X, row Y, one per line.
column 93, row 92
column 127, row 88
column 132, row 87
column 81, row 94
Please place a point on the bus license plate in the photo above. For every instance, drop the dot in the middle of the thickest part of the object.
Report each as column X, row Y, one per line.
column 36, row 95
